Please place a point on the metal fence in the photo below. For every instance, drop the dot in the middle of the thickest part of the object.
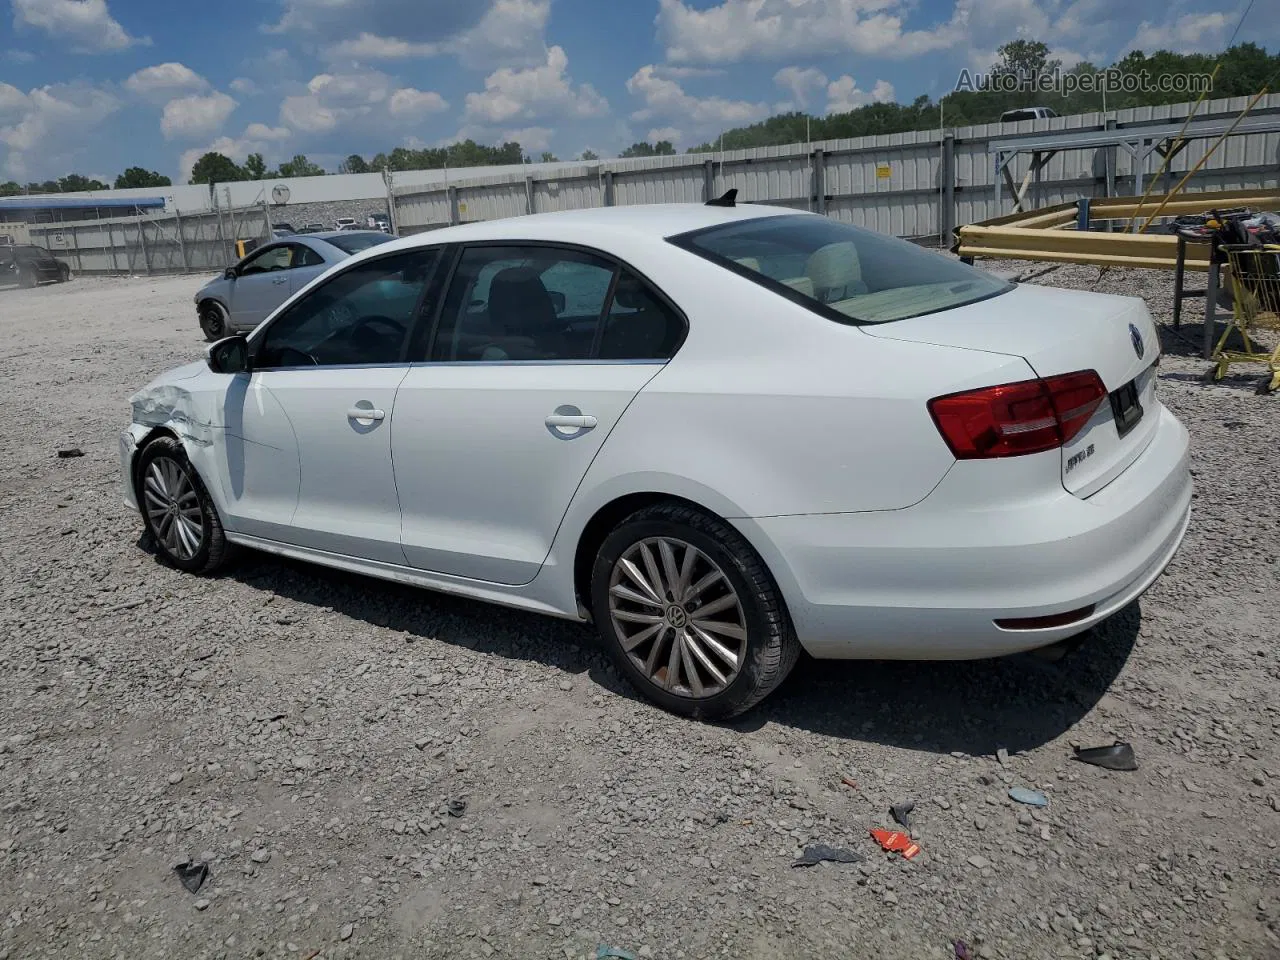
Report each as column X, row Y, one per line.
column 167, row 243
column 916, row 184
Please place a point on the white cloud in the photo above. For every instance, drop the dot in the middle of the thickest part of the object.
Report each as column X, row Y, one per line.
column 196, row 116
column 665, row 99
column 671, row 134
column 19, row 56
column 244, row 86
column 511, row 33
column 164, row 80
column 530, row 138
column 1189, row 33
column 50, row 126
column 408, row 102
column 844, row 94
column 262, row 132
column 369, row 97
column 800, row 82
column 537, row 92
column 257, row 138
column 86, row 24
column 736, row 30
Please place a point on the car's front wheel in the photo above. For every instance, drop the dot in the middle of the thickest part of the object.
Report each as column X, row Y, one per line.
column 177, row 510
column 64, row 273
column 689, row 613
column 213, row 320
column 27, row 278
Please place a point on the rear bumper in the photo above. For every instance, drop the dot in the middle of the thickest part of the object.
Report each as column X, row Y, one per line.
column 929, row 582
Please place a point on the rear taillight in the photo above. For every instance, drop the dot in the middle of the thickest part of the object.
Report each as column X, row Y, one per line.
column 1017, row 418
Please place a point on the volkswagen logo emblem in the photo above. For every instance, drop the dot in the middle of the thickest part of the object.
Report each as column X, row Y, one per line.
column 1136, row 336
column 677, row 617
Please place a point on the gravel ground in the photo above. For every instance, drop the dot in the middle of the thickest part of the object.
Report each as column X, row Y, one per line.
column 305, row 731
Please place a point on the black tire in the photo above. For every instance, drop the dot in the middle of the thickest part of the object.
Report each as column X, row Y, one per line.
column 213, row 321
column 64, row 273
column 27, row 278
column 771, row 648
column 214, row 550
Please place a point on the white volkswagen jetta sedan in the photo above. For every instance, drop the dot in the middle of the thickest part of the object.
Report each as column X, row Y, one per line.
column 720, row 433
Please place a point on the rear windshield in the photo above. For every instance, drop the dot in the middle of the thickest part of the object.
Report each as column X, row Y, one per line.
column 844, row 272
column 355, row 242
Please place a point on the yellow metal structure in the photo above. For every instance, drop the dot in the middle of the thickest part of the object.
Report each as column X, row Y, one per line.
column 1254, row 278
column 1051, row 234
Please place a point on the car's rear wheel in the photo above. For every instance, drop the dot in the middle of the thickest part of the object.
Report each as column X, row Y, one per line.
column 213, row 320
column 64, row 273
column 177, row 510
column 689, row 613
column 27, row 278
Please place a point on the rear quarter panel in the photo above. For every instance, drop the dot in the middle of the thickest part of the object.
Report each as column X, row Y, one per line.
column 770, row 410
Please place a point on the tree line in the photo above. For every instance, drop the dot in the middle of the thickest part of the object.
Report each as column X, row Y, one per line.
column 1242, row 71
column 133, row 177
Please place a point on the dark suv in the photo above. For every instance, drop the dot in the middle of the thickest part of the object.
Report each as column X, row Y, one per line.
column 26, row 265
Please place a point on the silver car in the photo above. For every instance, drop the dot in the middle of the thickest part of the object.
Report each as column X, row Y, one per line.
column 246, row 293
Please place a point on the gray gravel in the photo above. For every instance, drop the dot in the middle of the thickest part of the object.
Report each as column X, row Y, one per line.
column 304, row 732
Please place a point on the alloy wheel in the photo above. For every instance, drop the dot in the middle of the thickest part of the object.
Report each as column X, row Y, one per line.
column 678, row 618
column 173, row 507
column 213, row 323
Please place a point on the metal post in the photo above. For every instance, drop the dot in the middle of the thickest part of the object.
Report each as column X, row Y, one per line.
column 1082, row 214
column 1139, row 161
column 1178, row 273
column 1109, row 161
column 1211, row 303
column 709, row 179
column 608, row 189
column 142, row 240
column 182, row 240
column 528, row 195
column 75, row 243
column 947, row 215
column 111, row 242
column 998, row 175
column 820, row 181
column 266, row 221
column 452, row 193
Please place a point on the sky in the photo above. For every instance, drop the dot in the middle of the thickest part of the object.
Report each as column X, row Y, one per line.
column 95, row 86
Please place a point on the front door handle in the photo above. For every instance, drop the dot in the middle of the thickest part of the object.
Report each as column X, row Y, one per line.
column 279, row 280
column 365, row 413
column 558, row 420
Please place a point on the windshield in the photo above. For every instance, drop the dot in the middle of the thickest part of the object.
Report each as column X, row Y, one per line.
column 355, row 242
column 844, row 272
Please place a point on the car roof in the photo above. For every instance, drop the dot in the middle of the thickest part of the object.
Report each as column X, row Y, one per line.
column 344, row 234
column 654, row 221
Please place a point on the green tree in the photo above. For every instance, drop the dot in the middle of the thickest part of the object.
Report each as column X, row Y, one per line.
column 75, row 183
column 355, row 164
column 300, row 166
column 549, row 157
column 141, row 177
column 1024, row 58
column 589, row 155
column 216, row 168
column 10, row 189
column 255, row 167
column 662, row 148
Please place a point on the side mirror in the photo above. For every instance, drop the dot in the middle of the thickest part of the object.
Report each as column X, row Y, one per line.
column 230, row 273
column 230, row 355
column 557, row 299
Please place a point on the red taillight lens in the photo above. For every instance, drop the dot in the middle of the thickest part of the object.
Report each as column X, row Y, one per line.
column 1017, row 418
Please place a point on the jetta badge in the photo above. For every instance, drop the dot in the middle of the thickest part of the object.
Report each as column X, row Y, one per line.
column 1136, row 336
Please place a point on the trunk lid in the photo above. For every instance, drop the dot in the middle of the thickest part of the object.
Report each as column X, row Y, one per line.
column 1061, row 331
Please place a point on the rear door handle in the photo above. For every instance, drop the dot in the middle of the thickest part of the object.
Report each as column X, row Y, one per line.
column 279, row 280
column 571, row 422
column 365, row 413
